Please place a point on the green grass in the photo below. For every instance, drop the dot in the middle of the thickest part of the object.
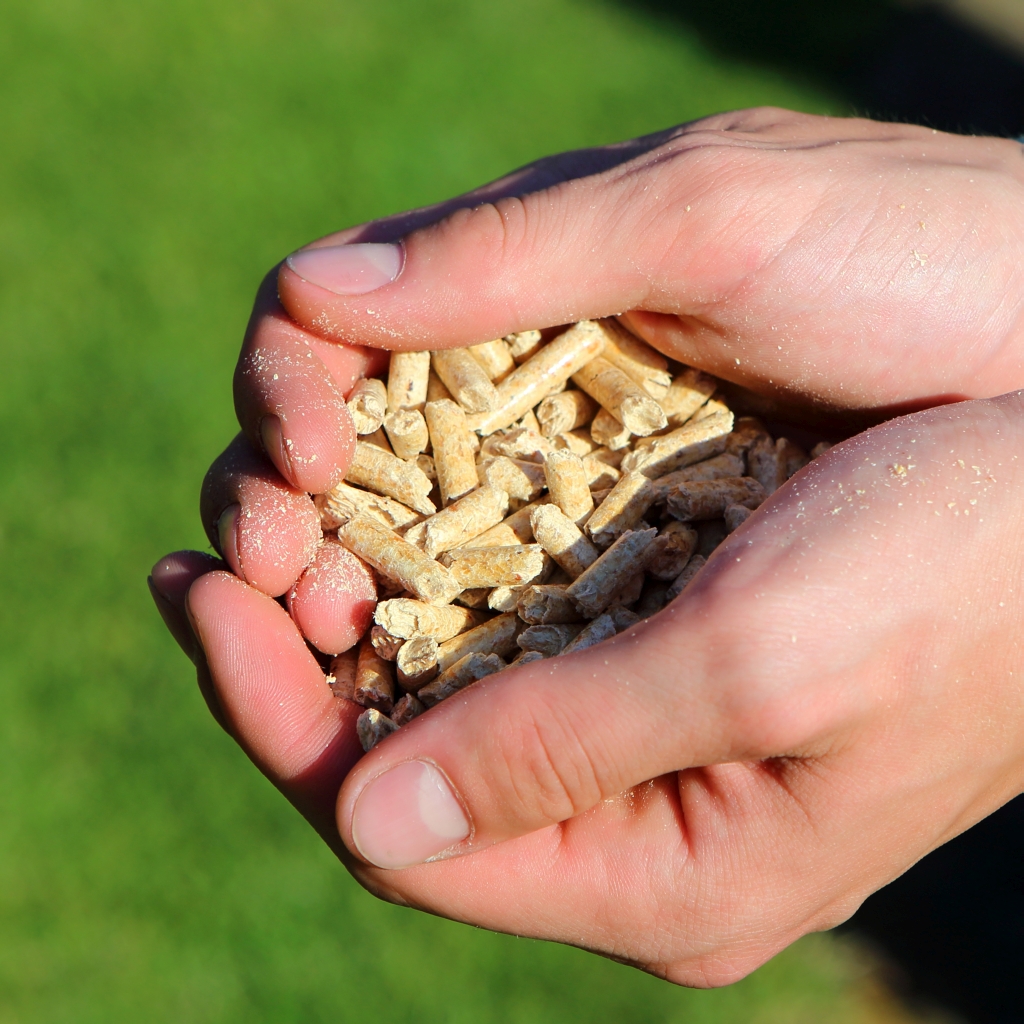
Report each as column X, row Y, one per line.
column 155, row 159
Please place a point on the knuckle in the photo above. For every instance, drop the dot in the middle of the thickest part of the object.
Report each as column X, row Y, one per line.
column 546, row 771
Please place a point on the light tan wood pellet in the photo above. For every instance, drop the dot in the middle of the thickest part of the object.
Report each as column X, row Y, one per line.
column 386, row 645
column 549, row 639
column 368, row 404
column 568, row 484
column 607, row 432
column 708, row 499
column 515, row 529
column 506, row 599
column 378, row 471
column 372, row 727
column 407, row 432
column 547, row 602
column 460, row 522
column 691, row 443
column 513, row 566
column 735, row 516
column 465, row 378
column 341, row 676
column 416, row 663
column 375, row 680
column 685, row 578
column 820, row 448
column 636, row 359
column 529, row 421
column 407, row 380
column 379, row 440
column 725, row 464
column 577, row 441
column 686, row 394
column 621, row 396
column 598, row 587
column 669, row 552
column 454, row 455
column 497, row 636
column 714, row 406
column 524, row 345
column 569, row 410
column 405, row 618
column 398, row 560
column 406, row 709
column 523, row 481
column 476, row 598
column 436, row 391
column 562, row 539
column 343, row 501
column 601, row 470
column 494, row 357
column 468, row 670
column 518, row 443
column 624, row 507
column 551, row 366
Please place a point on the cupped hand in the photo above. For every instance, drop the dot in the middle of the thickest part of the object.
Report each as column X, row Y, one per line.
column 841, row 264
column 836, row 694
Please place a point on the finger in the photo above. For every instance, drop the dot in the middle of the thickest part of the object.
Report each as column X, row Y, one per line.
column 275, row 697
column 649, row 224
column 169, row 583
column 265, row 529
column 742, row 228
column 290, row 389
column 332, row 602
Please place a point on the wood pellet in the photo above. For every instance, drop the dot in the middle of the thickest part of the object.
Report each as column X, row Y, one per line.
column 530, row 497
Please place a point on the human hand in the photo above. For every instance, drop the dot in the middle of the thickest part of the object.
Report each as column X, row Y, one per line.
column 840, row 264
column 835, row 695
column 727, row 295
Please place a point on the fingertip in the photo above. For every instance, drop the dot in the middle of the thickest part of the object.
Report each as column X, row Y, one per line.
column 168, row 585
column 333, row 601
column 274, row 534
column 227, row 533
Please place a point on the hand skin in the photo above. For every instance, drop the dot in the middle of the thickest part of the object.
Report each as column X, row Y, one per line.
column 849, row 696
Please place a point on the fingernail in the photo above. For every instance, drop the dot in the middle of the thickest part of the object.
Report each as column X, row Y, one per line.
column 407, row 815
column 227, row 534
column 348, row 269
column 273, row 444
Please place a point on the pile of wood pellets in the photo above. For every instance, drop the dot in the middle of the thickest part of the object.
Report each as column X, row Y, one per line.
column 529, row 497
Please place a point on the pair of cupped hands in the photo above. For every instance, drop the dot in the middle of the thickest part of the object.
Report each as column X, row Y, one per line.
column 839, row 692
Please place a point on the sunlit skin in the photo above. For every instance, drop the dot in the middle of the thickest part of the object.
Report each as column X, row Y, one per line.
column 838, row 693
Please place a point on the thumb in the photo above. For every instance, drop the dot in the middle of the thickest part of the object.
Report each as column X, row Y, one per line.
column 545, row 742
column 582, row 236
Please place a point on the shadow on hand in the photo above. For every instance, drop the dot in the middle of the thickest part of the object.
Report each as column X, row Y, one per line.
column 921, row 65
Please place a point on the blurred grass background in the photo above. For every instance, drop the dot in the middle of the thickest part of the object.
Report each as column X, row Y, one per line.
column 155, row 159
